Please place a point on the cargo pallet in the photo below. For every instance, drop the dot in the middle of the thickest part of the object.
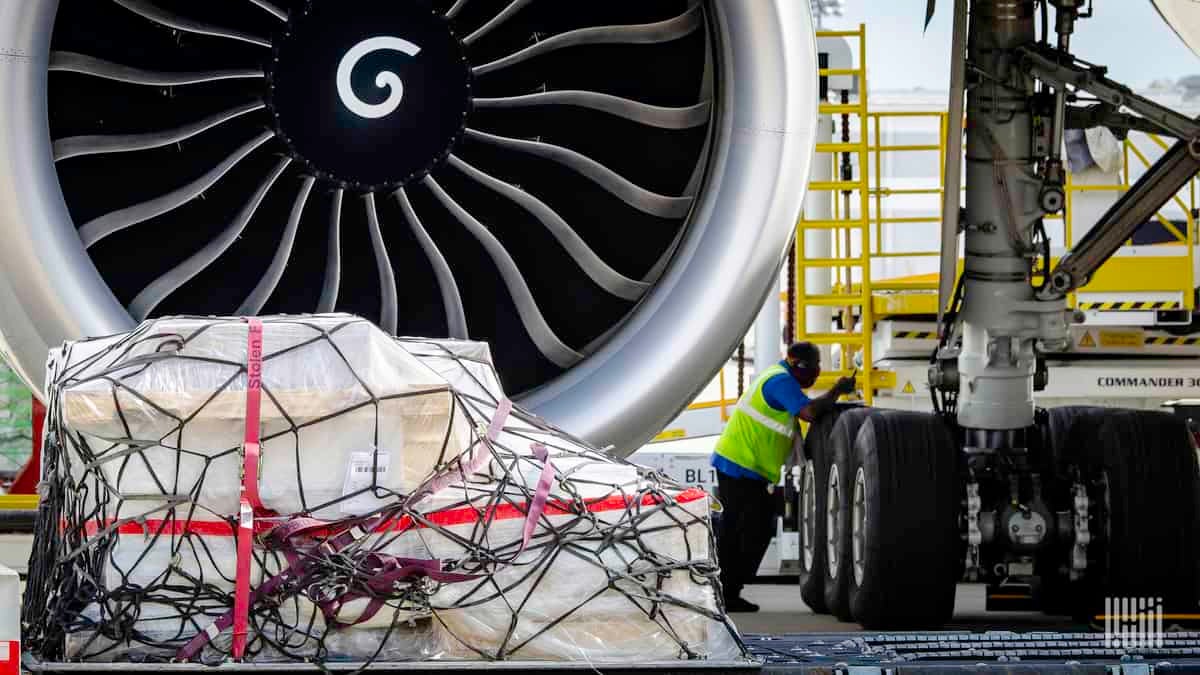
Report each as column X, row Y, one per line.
column 849, row 653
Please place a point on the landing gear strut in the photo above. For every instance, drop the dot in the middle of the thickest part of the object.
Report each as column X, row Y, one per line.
column 1067, row 506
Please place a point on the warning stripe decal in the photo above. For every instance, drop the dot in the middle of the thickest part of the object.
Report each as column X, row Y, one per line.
column 1128, row 306
column 1176, row 341
column 914, row 335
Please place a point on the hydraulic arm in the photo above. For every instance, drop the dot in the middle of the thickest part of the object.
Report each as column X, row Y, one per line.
column 1018, row 95
column 1164, row 179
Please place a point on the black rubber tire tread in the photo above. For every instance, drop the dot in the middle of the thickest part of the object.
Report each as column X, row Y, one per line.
column 911, row 467
column 1150, row 463
column 1057, row 435
column 816, row 441
column 841, row 454
column 1057, row 594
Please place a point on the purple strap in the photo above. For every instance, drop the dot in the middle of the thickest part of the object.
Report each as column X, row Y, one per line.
column 479, row 457
column 223, row 622
column 382, row 572
column 545, row 481
column 503, row 409
column 385, row 573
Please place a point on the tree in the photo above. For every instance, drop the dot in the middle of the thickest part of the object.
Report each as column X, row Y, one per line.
column 16, row 425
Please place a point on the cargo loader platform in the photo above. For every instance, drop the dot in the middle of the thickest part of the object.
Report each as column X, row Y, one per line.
column 991, row 651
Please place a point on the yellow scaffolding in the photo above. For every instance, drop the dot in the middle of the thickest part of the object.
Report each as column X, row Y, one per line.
column 859, row 295
column 879, row 191
column 875, row 297
column 912, row 295
column 846, row 294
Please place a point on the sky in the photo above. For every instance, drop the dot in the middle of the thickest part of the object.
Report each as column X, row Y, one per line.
column 1128, row 36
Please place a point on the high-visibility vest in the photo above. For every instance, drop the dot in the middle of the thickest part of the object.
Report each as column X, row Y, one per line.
column 758, row 437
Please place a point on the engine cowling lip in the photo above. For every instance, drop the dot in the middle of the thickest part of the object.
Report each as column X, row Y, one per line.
column 692, row 320
column 46, row 276
column 643, row 374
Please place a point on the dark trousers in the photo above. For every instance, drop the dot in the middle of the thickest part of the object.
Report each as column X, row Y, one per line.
column 747, row 525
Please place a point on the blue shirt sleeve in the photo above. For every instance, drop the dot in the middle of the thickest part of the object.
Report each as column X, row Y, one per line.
column 732, row 470
column 783, row 392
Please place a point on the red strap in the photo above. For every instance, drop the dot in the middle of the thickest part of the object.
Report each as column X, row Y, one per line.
column 250, row 499
column 443, row 518
column 241, row 597
column 254, row 366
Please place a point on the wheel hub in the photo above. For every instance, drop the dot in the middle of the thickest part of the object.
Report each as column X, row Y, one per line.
column 832, row 529
column 1083, row 534
column 808, row 514
column 858, row 532
column 371, row 95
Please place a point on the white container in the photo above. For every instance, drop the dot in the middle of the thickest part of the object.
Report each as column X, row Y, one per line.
column 618, row 568
column 193, row 567
column 570, row 607
column 333, row 386
column 587, row 598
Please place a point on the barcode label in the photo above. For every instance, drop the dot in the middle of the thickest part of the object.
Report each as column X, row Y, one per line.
column 366, row 469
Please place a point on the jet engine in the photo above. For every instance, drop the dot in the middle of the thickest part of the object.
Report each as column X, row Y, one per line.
column 604, row 191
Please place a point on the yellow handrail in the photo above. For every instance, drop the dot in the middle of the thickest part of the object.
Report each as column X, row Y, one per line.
column 869, row 220
column 843, row 261
column 1179, row 236
column 846, row 294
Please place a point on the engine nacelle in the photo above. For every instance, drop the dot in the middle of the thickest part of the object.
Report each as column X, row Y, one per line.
column 604, row 193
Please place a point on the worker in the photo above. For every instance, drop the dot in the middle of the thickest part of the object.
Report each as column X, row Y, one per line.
column 749, row 454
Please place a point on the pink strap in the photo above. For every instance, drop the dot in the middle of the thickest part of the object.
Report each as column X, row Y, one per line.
column 538, row 505
column 250, row 498
column 503, row 409
column 241, row 597
column 254, row 369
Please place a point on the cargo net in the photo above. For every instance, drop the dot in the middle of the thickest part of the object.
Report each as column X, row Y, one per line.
column 403, row 510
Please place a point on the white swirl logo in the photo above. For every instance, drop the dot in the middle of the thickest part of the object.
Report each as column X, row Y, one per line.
column 384, row 80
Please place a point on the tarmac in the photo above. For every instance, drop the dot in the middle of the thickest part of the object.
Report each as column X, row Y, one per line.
column 782, row 611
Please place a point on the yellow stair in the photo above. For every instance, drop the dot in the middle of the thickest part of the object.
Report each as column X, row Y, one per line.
column 848, row 295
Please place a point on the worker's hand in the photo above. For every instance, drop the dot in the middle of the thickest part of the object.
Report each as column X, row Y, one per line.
column 846, row 385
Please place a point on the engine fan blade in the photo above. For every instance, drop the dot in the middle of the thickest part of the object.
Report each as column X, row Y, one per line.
column 568, row 179
column 332, row 283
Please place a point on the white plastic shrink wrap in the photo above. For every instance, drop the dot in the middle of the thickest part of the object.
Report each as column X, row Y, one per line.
column 531, row 544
